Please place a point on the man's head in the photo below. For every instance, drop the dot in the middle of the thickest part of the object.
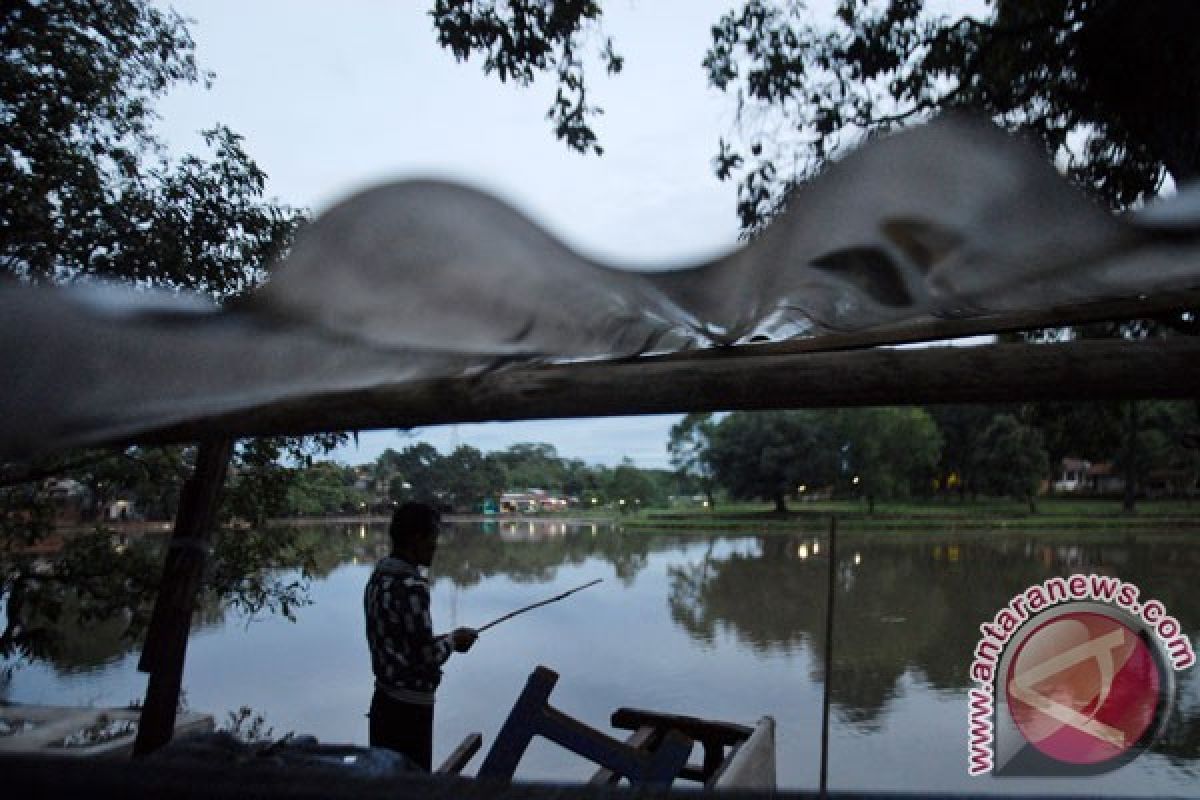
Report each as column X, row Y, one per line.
column 414, row 533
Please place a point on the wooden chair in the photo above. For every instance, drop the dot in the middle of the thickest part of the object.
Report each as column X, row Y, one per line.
column 532, row 715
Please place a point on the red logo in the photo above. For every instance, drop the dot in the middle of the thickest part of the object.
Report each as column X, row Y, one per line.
column 1084, row 688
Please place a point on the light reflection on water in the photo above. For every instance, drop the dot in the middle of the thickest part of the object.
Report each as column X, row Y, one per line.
column 721, row 626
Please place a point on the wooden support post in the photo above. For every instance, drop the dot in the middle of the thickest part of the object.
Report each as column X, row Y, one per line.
column 166, row 641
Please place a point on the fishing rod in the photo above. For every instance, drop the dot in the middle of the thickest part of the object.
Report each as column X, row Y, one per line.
column 538, row 604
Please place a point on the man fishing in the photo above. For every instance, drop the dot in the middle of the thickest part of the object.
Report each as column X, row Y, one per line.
column 405, row 655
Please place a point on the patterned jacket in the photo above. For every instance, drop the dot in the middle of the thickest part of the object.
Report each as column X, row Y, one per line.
column 405, row 655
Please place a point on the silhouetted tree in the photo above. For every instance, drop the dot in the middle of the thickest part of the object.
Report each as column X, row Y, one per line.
column 891, row 451
column 688, row 446
column 1011, row 460
column 768, row 454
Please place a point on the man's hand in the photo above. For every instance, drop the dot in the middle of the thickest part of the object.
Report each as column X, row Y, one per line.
column 463, row 638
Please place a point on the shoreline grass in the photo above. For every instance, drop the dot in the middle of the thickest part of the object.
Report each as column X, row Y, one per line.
column 1052, row 515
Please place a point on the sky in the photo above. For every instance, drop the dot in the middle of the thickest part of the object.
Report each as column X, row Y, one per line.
column 334, row 97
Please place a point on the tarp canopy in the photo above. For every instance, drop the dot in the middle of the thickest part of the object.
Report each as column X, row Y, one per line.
column 418, row 302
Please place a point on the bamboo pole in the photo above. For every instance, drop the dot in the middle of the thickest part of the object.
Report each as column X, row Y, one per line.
column 165, row 649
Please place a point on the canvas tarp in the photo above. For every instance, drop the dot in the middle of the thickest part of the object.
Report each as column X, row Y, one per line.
column 416, row 280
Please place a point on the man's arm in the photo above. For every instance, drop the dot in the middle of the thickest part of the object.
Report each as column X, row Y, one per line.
column 430, row 650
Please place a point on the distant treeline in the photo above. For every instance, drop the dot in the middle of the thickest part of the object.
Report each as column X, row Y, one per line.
column 1019, row 450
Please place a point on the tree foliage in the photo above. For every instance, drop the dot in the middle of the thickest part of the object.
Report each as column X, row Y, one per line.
column 104, row 584
column 465, row 478
column 1107, row 87
column 961, row 429
column 1011, row 459
column 469, row 478
column 893, row 452
column 518, row 39
column 631, row 488
column 87, row 189
column 529, row 465
column 1091, row 431
column 688, row 447
column 768, row 454
column 324, row 488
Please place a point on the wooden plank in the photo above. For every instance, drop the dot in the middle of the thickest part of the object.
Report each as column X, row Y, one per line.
column 657, row 768
column 640, row 739
column 458, row 759
column 726, row 733
column 752, row 764
column 742, row 378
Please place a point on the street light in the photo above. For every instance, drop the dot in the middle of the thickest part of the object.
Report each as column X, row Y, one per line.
column 855, row 481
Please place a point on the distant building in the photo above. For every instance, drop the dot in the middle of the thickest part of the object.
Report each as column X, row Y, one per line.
column 123, row 508
column 1075, row 475
column 531, row 501
column 1072, row 475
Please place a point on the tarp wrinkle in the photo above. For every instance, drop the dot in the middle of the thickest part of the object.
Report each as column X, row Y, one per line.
column 416, row 280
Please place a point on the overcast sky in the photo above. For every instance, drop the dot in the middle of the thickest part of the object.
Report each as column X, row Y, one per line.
column 332, row 97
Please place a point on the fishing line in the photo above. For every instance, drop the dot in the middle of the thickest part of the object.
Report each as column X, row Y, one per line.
column 831, row 585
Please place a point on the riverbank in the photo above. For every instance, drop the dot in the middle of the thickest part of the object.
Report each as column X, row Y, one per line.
column 1052, row 515
column 140, row 527
column 385, row 519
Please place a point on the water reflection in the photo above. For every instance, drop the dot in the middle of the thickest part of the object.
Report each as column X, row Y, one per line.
column 912, row 605
column 720, row 625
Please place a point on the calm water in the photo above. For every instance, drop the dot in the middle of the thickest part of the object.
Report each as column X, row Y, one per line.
column 721, row 626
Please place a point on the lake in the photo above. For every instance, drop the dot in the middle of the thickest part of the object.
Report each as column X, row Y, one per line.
column 724, row 626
